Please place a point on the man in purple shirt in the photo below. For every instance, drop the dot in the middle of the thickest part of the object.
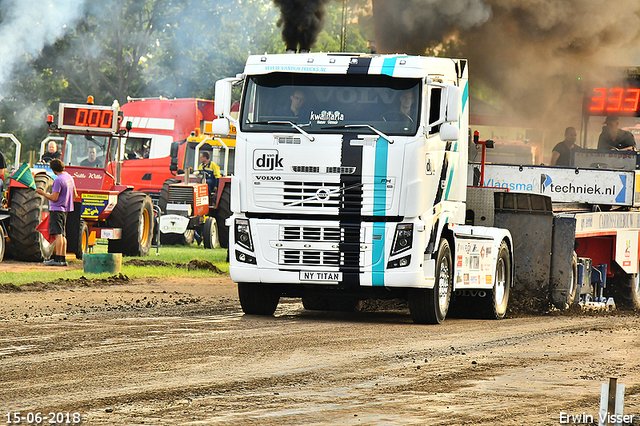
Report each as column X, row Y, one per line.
column 60, row 203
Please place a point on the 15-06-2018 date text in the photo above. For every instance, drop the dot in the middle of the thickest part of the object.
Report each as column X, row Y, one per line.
column 30, row 417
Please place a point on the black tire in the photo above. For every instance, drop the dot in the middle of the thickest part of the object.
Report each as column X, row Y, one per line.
column 83, row 240
column 134, row 214
column 221, row 213
column 26, row 211
column 209, row 233
column 258, row 299
column 625, row 291
column 494, row 305
column 164, row 194
column 312, row 302
column 3, row 242
column 171, row 239
column 430, row 305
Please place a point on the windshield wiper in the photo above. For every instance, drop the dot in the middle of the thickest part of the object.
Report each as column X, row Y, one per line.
column 295, row 126
column 351, row 126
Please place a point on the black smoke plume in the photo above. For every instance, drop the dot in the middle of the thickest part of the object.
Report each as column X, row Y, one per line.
column 536, row 56
column 301, row 21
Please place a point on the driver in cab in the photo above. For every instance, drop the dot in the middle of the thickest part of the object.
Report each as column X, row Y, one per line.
column 294, row 109
column 405, row 111
column 92, row 158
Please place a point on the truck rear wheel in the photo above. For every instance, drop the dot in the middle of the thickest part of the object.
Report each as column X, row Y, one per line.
column 134, row 214
column 258, row 299
column 625, row 291
column 495, row 305
column 221, row 213
column 27, row 210
column 430, row 305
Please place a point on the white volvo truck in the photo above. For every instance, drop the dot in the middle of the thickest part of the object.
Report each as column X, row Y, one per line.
column 351, row 182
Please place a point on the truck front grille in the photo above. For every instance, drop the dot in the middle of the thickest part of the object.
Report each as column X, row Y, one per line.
column 310, row 233
column 337, row 234
column 309, row 258
column 311, row 194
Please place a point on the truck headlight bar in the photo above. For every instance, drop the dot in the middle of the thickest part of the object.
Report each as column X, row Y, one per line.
column 403, row 239
column 243, row 234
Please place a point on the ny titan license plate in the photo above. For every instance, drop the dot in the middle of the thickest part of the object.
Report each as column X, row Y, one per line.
column 316, row 276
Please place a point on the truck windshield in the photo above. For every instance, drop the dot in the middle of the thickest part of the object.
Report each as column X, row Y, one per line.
column 327, row 103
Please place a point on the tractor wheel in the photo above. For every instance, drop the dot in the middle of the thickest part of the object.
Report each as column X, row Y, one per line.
column 625, row 291
column 221, row 214
column 209, row 233
column 27, row 210
column 164, row 194
column 3, row 242
column 430, row 305
column 83, row 240
column 258, row 299
column 171, row 239
column 134, row 214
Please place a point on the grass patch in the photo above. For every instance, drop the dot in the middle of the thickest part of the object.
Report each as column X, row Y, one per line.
column 170, row 254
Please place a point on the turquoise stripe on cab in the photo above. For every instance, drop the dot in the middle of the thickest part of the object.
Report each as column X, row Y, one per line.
column 379, row 209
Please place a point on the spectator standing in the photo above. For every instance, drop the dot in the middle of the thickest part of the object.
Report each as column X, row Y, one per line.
column 561, row 155
column 60, row 204
column 612, row 137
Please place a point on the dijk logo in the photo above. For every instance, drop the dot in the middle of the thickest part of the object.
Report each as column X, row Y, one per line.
column 267, row 159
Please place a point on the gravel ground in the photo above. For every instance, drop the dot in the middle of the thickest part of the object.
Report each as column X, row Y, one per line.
column 180, row 352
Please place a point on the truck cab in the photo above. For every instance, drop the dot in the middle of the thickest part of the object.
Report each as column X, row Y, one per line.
column 350, row 182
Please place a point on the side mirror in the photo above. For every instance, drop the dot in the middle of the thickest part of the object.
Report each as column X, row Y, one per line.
column 452, row 104
column 449, row 132
column 220, row 126
column 222, row 102
column 175, row 147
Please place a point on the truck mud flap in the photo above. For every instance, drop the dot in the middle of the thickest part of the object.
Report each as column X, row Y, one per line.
column 529, row 218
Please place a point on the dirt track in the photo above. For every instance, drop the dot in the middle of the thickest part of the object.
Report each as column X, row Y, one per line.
column 168, row 352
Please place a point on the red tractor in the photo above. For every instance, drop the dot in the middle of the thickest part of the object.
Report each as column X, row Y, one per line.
column 91, row 149
column 164, row 140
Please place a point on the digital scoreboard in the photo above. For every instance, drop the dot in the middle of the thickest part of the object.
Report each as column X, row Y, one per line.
column 622, row 98
column 88, row 118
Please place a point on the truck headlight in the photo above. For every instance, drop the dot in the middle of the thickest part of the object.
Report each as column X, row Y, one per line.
column 243, row 234
column 403, row 239
column 399, row 263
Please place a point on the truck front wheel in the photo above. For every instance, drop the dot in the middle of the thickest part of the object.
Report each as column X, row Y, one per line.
column 430, row 306
column 258, row 299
